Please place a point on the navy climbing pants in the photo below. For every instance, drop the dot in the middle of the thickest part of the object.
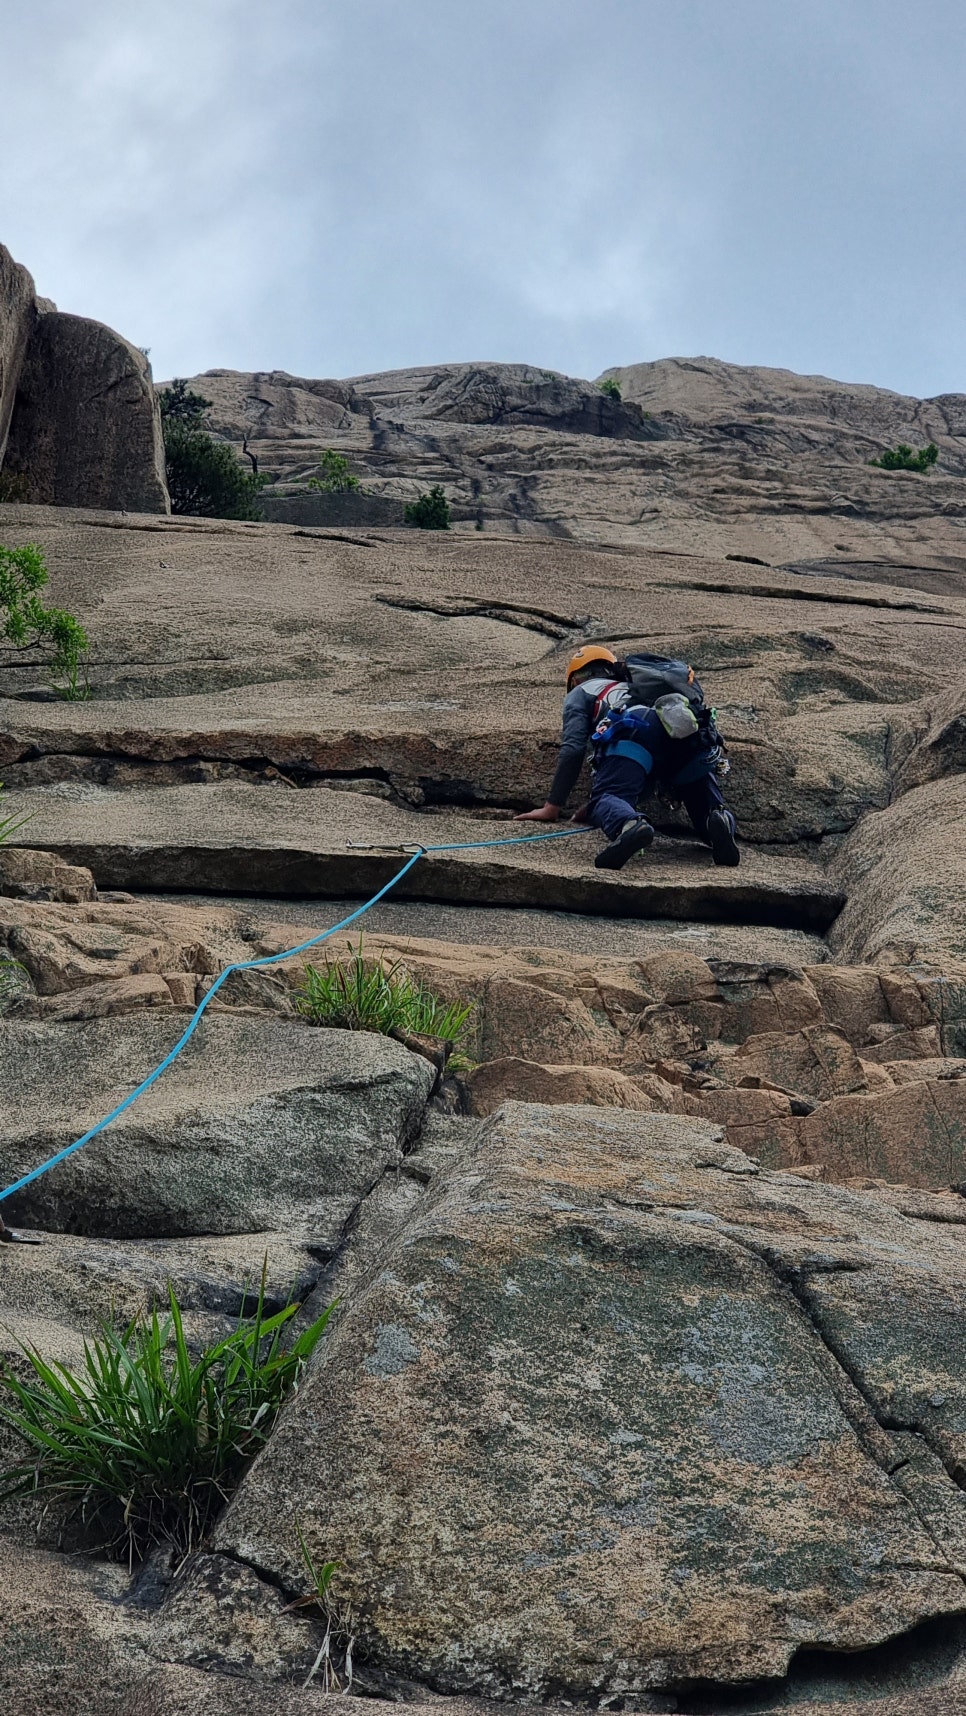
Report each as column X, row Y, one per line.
column 620, row 781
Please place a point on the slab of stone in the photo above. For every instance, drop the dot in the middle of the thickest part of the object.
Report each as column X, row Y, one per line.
column 28, row 875
column 568, row 931
column 602, row 1422
column 698, row 455
column 208, row 662
column 261, row 1124
column 237, row 838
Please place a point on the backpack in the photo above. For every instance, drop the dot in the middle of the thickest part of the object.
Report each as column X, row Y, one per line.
column 651, row 678
column 654, row 676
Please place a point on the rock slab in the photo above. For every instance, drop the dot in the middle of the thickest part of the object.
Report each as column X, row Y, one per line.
column 261, row 1125
column 610, row 1419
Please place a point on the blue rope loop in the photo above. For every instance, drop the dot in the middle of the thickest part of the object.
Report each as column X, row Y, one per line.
column 252, row 965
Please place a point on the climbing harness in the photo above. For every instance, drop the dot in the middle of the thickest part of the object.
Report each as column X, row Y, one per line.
column 417, row 852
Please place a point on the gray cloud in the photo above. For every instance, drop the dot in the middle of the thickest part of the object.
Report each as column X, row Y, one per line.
column 333, row 188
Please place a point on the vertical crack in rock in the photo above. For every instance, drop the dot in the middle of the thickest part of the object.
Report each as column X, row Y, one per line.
column 874, row 1427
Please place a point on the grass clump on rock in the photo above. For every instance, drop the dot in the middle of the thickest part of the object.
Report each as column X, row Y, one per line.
column 611, row 386
column 429, row 511
column 368, row 995
column 146, row 1442
column 9, row 824
column 14, row 984
column 905, row 458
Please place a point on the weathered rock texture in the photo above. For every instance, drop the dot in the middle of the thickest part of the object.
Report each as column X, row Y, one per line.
column 260, row 1125
column 17, row 315
column 434, row 685
column 79, row 421
column 700, row 456
column 854, row 1072
column 86, row 430
column 611, row 1410
column 611, row 1413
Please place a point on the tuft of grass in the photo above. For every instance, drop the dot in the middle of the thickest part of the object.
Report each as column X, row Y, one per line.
column 362, row 994
column 338, row 1638
column 9, row 824
column 611, row 386
column 147, row 1442
column 14, row 983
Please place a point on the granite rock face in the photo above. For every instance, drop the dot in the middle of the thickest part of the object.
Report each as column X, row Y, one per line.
column 697, row 456
column 261, row 1125
column 86, row 430
column 609, row 1416
column 851, row 1072
column 17, row 316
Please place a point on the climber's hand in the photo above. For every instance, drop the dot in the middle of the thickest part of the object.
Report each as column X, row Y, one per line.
column 547, row 813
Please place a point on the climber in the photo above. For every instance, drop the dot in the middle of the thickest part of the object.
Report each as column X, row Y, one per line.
column 673, row 745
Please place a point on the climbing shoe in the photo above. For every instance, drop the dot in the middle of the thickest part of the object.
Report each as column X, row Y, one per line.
column 721, row 834
column 633, row 837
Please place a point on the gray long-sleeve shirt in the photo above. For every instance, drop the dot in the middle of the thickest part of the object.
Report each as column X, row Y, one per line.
column 583, row 707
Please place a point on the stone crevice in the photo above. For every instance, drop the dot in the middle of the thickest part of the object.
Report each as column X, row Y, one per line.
column 794, row 1279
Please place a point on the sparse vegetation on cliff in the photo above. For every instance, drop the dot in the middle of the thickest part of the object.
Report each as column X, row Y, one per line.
column 611, row 386
column 13, row 983
column 147, row 1442
column 363, row 994
column 334, row 476
column 906, row 458
column 429, row 511
column 9, row 824
column 26, row 624
column 204, row 477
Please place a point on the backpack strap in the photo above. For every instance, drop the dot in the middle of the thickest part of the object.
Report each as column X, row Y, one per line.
column 602, row 697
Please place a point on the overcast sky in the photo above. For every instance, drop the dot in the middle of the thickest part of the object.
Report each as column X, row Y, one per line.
column 336, row 186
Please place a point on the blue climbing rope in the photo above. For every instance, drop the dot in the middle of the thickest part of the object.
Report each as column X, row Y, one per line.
column 251, row 965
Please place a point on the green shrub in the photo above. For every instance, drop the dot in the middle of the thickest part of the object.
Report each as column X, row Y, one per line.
column 26, row 624
column 904, row 458
column 204, row 477
column 611, row 386
column 335, row 477
column 369, row 995
column 179, row 406
column 429, row 511
column 147, row 1442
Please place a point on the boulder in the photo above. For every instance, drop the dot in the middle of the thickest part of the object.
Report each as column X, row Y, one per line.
column 513, row 1079
column 603, row 1423
column 17, row 315
column 915, row 1133
column 86, row 430
column 817, row 1062
column 29, row 875
column 78, row 1636
column 261, row 1124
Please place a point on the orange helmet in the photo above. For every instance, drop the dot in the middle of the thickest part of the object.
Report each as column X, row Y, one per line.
column 590, row 653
